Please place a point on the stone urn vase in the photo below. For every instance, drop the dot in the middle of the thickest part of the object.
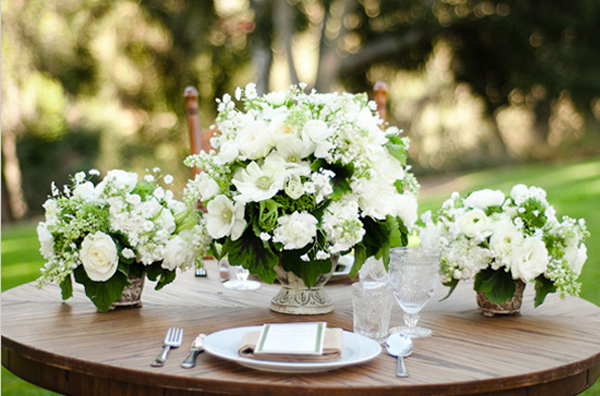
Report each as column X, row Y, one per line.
column 295, row 298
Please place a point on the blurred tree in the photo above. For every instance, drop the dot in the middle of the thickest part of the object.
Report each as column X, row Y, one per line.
column 101, row 83
column 528, row 52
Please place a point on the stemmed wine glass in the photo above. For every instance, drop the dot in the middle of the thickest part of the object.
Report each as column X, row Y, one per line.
column 413, row 276
column 241, row 282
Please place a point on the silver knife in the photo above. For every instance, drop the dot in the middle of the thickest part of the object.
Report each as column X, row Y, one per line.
column 195, row 350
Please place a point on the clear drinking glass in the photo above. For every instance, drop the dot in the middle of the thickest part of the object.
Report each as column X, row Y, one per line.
column 413, row 276
column 371, row 308
column 241, row 282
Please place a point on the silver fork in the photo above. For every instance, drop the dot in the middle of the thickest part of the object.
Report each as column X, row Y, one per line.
column 173, row 339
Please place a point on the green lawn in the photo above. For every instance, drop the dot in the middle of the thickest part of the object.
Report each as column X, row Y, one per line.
column 573, row 188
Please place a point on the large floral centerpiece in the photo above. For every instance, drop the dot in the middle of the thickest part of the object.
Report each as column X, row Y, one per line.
column 498, row 239
column 298, row 178
column 123, row 228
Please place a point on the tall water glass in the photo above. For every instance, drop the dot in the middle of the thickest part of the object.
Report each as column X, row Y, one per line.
column 413, row 276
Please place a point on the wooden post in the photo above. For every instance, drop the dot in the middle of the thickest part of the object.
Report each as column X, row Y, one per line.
column 191, row 105
column 380, row 93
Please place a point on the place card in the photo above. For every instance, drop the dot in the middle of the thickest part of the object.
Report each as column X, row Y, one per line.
column 305, row 338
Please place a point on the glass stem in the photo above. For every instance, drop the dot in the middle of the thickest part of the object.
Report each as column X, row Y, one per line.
column 411, row 320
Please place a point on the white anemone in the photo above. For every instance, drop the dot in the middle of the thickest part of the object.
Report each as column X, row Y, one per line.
column 224, row 217
column 257, row 183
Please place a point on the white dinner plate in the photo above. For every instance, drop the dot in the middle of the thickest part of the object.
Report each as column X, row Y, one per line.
column 225, row 343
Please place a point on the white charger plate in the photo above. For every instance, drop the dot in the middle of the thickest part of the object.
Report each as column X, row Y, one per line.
column 224, row 344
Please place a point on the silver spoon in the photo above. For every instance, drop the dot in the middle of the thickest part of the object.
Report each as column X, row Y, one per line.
column 399, row 345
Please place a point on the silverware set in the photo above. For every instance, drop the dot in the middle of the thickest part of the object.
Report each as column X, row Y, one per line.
column 174, row 339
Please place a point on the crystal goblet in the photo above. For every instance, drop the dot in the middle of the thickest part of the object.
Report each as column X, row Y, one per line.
column 413, row 276
column 241, row 282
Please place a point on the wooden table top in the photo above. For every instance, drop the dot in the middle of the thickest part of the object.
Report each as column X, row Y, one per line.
column 70, row 348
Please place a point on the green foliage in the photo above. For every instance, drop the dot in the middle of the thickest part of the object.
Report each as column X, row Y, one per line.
column 102, row 294
column 498, row 286
column 250, row 252
column 156, row 272
column 543, row 287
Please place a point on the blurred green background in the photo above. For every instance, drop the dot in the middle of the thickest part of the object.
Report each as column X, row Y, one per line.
column 491, row 92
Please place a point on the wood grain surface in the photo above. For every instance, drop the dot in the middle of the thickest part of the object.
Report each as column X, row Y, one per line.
column 70, row 348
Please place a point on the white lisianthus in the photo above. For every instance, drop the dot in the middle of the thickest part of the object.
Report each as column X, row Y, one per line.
column 296, row 230
column 128, row 253
column 255, row 183
column 376, row 198
column 575, row 255
column 175, row 253
column 387, row 167
column 225, row 217
column 293, row 187
column 483, row 199
column 529, row 260
column 474, row 224
column 317, row 132
column 99, row 256
column 46, row 241
column 519, row 193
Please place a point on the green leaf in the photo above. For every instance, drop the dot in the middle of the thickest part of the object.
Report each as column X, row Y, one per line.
column 157, row 272
column 360, row 256
column 396, row 147
column 452, row 285
column 543, row 287
column 66, row 287
column 252, row 253
column 377, row 234
column 268, row 214
column 498, row 286
column 308, row 271
column 102, row 294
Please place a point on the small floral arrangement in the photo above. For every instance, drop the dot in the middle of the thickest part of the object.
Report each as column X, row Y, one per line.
column 300, row 177
column 498, row 239
column 103, row 234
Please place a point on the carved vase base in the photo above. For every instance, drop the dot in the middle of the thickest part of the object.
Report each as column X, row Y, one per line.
column 301, row 302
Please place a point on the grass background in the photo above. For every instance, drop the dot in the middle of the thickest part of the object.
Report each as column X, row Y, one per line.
column 573, row 188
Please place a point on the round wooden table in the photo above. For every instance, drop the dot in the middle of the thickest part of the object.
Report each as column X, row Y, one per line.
column 70, row 348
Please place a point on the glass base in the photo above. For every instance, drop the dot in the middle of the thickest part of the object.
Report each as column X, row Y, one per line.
column 412, row 332
column 241, row 285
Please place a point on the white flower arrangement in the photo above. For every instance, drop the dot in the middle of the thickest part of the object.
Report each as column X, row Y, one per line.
column 497, row 239
column 101, row 234
column 297, row 178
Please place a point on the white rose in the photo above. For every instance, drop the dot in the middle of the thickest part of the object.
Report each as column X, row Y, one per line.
column 252, row 140
column 483, row 199
column 474, row 224
column 317, row 132
column 296, row 230
column 228, row 152
column 46, row 241
column 529, row 260
column 276, row 98
column 122, row 180
column 87, row 192
column 387, row 167
column 99, row 256
column 505, row 239
column 406, row 208
column 208, row 187
column 175, row 253
column 519, row 193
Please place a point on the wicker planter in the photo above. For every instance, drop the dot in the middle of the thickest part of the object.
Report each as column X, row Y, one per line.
column 509, row 307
